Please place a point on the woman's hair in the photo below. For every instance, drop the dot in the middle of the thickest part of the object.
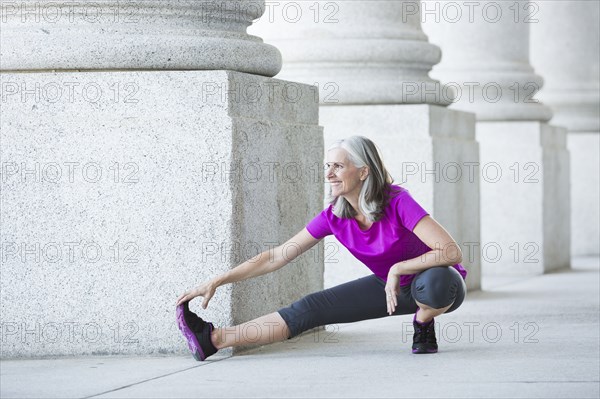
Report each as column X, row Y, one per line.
column 375, row 192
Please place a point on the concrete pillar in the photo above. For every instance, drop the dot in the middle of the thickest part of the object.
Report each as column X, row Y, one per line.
column 370, row 60
column 486, row 58
column 153, row 34
column 358, row 52
column 134, row 167
column 524, row 161
column 570, row 68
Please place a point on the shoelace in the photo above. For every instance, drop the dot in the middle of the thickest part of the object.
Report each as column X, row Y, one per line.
column 425, row 334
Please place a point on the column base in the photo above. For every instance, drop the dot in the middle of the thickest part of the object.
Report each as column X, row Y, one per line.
column 585, row 192
column 133, row 187
column 525, row 197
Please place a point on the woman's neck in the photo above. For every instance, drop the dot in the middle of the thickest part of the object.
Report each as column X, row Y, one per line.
column 353, row 201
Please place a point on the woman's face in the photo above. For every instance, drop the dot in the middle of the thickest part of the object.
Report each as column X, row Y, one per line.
column 345, row 178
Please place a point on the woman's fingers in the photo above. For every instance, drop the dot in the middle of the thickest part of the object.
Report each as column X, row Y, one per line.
column 184, row 298
column 389, row 309
column 189, row 295
column 387, row 304
column 193, row 293
column 181, row 300
column 391, row 305
column 207, row 298
column 392, row 302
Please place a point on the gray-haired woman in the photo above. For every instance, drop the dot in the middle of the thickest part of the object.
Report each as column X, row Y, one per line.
column 415, row 262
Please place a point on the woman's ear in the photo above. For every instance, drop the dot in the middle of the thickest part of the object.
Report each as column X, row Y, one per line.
column 364, row 173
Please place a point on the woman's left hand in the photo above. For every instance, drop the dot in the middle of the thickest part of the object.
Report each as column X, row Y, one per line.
column 391, row 292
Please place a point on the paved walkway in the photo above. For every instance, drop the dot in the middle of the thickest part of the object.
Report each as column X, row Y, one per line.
column 530, row 337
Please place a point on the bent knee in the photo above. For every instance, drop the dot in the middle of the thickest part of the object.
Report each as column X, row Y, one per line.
column 437, row 287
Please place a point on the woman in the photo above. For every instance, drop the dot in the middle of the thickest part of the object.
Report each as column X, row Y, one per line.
column 382, row 225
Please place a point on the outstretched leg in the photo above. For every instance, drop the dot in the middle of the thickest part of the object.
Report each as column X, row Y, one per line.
column 353, row 301
column 361, row 299
column 263, row 330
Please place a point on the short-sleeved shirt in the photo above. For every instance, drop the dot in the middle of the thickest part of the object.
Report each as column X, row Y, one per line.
column 388, row 241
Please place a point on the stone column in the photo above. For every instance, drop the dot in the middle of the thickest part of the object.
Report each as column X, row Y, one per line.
column 370, row 60
column 572, row 89
column 358, row 52
column 486, row 58
column 524, row 161
column 134, row 167
column 130, row 35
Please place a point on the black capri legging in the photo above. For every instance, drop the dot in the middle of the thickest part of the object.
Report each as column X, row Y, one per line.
column 365, row 298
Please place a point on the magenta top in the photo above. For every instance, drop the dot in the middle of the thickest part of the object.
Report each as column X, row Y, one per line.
column 387, row 242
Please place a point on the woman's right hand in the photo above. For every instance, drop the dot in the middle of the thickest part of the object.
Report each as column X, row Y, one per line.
column 205, row 290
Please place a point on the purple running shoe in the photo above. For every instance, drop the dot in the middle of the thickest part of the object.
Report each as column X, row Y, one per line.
column 196, row 332
column 424, row 340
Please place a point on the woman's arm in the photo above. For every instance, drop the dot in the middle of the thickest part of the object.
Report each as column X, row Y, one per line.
column 263, row 263
column 444, row 250
column 270, row 260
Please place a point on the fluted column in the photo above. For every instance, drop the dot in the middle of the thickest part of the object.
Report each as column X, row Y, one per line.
column 134, row 167
column 570, row 66
column 524, row 207
column 371, row 63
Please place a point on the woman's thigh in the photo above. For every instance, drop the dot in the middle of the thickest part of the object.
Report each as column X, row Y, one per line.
column 439, row 287
column 360, row 299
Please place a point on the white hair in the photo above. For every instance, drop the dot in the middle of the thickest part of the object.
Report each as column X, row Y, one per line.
column 374, row 194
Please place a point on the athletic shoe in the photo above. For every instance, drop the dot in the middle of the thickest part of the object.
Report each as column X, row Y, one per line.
column 196, row 331
column 424, row 338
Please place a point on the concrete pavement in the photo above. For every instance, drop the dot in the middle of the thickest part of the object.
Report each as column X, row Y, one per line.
column 520, row 337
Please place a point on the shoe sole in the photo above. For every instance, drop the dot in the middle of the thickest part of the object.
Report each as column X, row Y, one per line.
column 418, row 351
column 189, row 335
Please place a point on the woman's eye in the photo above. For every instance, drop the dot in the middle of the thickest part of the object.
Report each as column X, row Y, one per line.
column 336, row 167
